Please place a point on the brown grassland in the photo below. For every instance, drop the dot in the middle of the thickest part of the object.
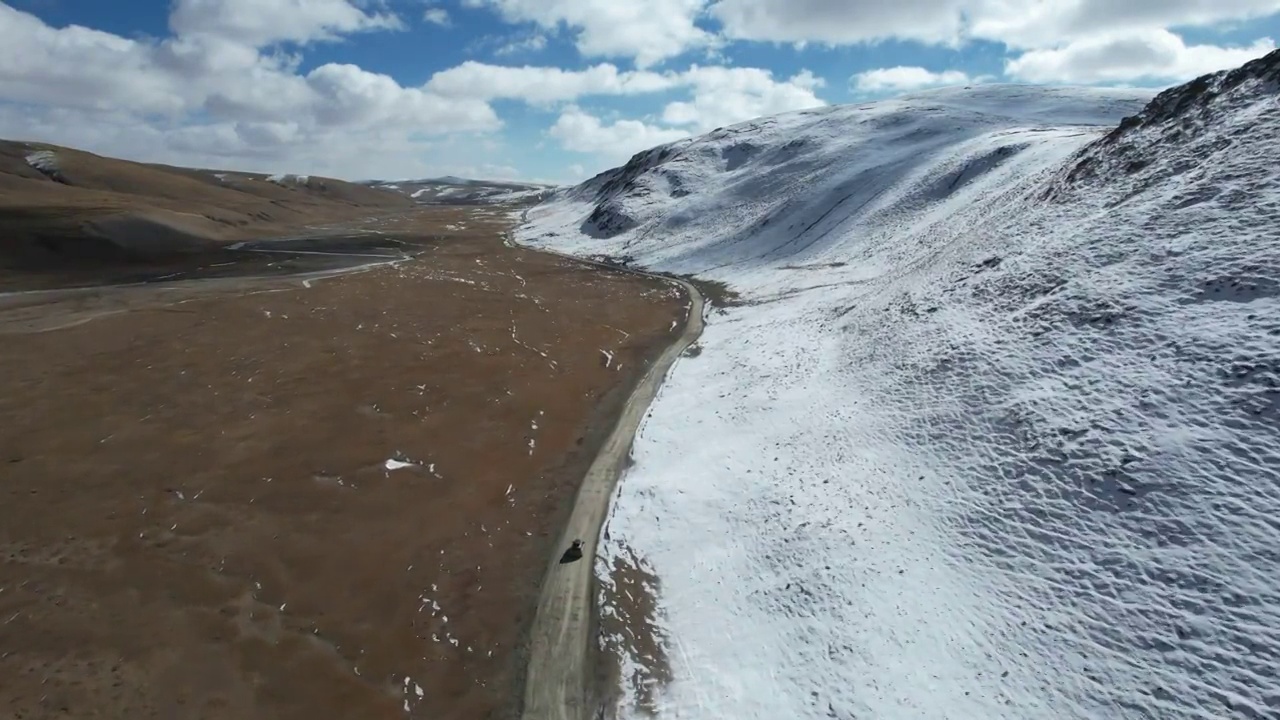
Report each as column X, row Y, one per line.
column 197, row 514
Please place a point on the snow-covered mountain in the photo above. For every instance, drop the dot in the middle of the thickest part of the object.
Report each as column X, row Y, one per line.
column 451, row 190
column 992, row 431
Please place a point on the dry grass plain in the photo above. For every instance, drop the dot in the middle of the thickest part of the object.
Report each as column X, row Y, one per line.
column 197, row 519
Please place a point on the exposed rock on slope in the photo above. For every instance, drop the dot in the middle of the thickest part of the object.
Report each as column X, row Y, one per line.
column 780, row 186
column 609, row 191
column 1187, row 128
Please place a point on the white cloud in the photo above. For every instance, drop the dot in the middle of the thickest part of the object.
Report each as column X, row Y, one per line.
column 1149, row 54
column 724, row 96
column 840, row 21
column 1051, row 23
column 1019, row 23
column 262, row 22
column 218, row 97
column 488, row 171
column 647, row 32
column 268, row 133
column 205, row 74
column 348, row 95
column 543, row 84
column 718, row 95
column 79, row 67
column 581, row 132
column 437, row 16
column 531, row 44
column 231, row 145
column 905, row 78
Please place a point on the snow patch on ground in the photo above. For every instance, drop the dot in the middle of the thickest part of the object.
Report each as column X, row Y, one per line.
column 980, row 442
column 285, row 178
column 46, row 161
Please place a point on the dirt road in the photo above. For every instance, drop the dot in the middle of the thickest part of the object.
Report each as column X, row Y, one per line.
column 557, row 681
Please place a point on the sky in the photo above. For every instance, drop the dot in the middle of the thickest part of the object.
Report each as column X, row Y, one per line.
column 543, row 90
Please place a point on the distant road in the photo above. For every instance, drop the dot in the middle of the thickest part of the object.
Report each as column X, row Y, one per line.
column 556, row 686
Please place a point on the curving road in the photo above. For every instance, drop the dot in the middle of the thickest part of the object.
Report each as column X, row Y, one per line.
column 557, row 683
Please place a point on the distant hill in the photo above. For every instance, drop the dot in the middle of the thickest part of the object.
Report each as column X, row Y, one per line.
column 61, row 206
column 452, row 190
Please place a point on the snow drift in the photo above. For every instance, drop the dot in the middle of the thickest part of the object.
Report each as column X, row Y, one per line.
column 993, row 430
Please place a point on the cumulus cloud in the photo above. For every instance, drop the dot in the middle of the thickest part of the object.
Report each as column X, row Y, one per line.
column 1050, row 23
column 906, row 78
column 1083, row 41
column 647, row 32
column 437, row 16
column 652, row 32
column 724, row 96
column 210, row 93
column 840, row 21
column 1018, row 23
column 528, row 44
column 80, row 67
column 717, row 95
column 1149, row 54
column 349, row 95
column 262, row 147
column 543, row 84
column 489, row 171
column 262, row 22
column 585, row 133
column 207, row 75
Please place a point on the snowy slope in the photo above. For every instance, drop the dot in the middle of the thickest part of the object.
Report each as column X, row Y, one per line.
column 450, row 190
column 994, row 431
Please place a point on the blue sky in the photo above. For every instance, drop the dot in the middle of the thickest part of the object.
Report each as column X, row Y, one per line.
column 551, row 90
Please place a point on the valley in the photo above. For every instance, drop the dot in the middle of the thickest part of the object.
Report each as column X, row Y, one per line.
column 949, row 402
column 300, row 494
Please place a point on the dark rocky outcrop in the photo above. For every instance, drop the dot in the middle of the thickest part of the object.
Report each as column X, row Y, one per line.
column 1176, row 132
